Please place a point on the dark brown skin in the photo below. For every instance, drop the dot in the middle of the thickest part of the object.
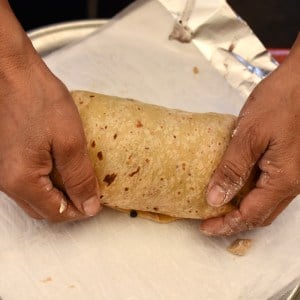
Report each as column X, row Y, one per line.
column 268, row 136
column 40, row 129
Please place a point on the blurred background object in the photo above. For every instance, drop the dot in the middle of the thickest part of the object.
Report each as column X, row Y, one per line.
column 275, row 22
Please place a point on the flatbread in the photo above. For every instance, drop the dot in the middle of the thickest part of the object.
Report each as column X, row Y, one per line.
column 153, row 159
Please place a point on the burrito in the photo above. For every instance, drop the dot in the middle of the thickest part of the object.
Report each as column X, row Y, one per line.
column 153, row 161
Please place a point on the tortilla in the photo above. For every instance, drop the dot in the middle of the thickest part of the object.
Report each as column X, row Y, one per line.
column 154, row 159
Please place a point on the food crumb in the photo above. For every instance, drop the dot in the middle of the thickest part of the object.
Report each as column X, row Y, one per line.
column 46, row 280
column 240, row 247
column 71, row 286
column 195, row 70
column 63, row 206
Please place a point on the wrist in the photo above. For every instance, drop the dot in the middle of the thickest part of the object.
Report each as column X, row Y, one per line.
column 16, row 50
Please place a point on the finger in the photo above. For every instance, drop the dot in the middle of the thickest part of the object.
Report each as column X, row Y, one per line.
column 49, row 202
column 254, row 210
column 279, row 209
column 28, row 209
column 245, row 148
column 75, row 168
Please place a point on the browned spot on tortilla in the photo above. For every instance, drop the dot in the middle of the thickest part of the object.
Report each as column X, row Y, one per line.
column 155, row 208
column 72, row 286
column 174, row 136
column 147, row 148
column 178, row 193
column 135, row 172
column 161, row 178
column 92, row 96
column 93, row 144
column 80, row 102
column 46, row 280
column 183, row 166
column 195, row 70
column 139, row 124
column 100, row 155
column 109, row 178
column 101, row 196
column 115, row 136
column 126, row 189
column 147, row 160
column 105, row 126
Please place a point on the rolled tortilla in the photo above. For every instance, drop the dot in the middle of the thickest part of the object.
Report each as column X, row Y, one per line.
column 153, row 159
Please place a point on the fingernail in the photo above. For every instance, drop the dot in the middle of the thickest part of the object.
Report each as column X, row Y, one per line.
column 216, row 196
column 91, row 206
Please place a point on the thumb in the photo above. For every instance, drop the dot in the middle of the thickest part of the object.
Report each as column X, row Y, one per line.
column 245, row 148
column 77, row 174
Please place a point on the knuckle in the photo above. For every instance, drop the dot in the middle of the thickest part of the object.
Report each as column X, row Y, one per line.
column 72, row 146
column 16, row 180
column 231, row 173
column 84, row 184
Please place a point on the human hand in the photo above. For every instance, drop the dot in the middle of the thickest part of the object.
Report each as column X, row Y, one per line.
column 41, row 131
column 267, row 136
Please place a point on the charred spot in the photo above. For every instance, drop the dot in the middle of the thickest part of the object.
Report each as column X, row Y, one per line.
column 101, row 196
column 92, row 96
column 174, row 136
column 126, row 189
column 133, row 213
column 179, row 193
column 139, row 124
column 100, row 155
column 109, row 178
column 93, row 144
column 134, row 172
column 115, row 136
column 105, row 126
column 161, row 179
column 155, row 208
